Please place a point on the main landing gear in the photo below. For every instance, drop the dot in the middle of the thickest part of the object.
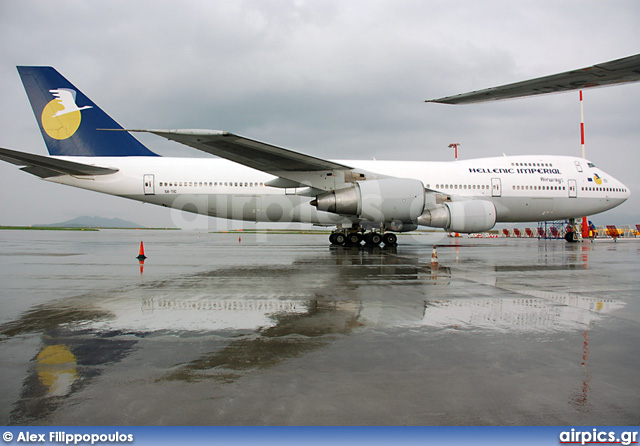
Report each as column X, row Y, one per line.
column 356, row 238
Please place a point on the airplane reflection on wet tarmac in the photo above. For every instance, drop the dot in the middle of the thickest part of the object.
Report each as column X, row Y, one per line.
column 253, row 317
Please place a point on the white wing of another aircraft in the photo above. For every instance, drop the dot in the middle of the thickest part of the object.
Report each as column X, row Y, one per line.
column 618, row 71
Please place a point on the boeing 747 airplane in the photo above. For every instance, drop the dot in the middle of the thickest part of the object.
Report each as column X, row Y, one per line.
column 367, row 201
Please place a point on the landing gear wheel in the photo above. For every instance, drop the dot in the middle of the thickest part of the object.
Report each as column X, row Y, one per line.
column 353, row 239
column 373, row 239
column 390, row 239
column 569, row 236
column 337, row 238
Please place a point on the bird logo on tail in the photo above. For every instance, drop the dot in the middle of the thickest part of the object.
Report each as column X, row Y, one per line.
column 61, row 116
column 66, row 97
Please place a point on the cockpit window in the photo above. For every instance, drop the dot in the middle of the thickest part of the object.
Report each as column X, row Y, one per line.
column 591, row 165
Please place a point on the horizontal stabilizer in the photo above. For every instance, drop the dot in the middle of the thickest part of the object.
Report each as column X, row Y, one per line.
column 45, row 167
column 601, row 75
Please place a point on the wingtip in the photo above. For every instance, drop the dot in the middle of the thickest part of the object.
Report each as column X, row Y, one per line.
column 439, row 101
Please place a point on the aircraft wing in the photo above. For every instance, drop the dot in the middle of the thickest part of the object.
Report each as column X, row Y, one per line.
column 248, row 152
column 604, row 74
column 294, row 169
column 45, row 167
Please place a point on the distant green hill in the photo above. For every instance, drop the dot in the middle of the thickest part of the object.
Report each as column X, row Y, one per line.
column 93, row 222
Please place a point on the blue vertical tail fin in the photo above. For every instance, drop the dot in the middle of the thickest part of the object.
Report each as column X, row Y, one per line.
column 69, row 120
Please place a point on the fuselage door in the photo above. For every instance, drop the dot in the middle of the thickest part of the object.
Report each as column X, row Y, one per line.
column 149, row 188
column 573, row 189
column 496, row 187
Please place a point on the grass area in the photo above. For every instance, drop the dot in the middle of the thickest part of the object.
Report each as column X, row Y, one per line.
column 44, row 228
column 55, row 228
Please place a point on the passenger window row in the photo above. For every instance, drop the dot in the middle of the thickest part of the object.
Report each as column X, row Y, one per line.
column 517, row 187
column 210, row 184
column 532, row 164
column 604, row 189
column 461, row 186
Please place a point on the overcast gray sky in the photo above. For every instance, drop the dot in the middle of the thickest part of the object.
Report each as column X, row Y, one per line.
column 334, row 79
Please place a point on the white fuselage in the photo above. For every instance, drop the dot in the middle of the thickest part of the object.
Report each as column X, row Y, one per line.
column 522, row 188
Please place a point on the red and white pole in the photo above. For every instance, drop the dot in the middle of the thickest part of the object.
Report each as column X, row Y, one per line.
column 584, row 154
column 585, row 222
column 455, row 147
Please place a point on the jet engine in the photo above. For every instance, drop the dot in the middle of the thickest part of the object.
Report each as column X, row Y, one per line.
column 386, row 200
column 461, row 216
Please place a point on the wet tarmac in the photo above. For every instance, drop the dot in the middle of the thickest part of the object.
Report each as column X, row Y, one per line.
column 286, row 330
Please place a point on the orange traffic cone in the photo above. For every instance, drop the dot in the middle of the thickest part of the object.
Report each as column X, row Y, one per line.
column 141, row 255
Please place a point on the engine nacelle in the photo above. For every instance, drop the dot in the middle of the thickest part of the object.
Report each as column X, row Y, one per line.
column 461, row 216
column 384, row 201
